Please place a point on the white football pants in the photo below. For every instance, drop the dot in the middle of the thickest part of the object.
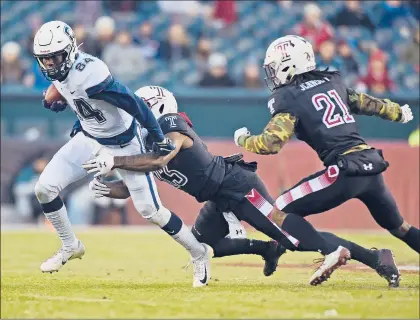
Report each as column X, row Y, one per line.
column 66, row 167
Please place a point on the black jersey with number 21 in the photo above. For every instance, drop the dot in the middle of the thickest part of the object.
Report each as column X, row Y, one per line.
column 324, row 120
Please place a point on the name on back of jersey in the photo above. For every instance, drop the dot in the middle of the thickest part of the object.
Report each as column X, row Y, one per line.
column 312, row 83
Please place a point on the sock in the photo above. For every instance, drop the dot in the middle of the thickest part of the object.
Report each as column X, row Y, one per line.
column 358, row 253
column 412, row 238
column 230, row 247
column 181, row 234
column 56, row 213
column 309, row 238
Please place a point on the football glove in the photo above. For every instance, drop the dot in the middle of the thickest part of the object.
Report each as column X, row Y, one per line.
column 56, row 106
column 99, row 189
column 100, row 165
column 406, row 115
column 164, row 147
column 239, row 133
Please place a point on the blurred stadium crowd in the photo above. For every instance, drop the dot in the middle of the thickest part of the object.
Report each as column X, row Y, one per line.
column 221, row 43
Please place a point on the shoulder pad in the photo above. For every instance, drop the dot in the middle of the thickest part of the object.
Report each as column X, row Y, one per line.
column 278, row 103
column 173, row 122
column 90, row 71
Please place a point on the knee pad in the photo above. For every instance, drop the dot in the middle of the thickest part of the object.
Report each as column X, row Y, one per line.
column 160, row 217
column 45, row 194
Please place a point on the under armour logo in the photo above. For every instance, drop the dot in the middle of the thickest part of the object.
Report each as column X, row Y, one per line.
column 102, row 164
column 368, row 167
column 238, row 232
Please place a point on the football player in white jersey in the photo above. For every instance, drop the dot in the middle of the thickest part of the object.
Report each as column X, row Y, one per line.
column 109, row 116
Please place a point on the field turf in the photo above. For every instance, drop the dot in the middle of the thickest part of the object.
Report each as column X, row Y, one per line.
column 139, row 274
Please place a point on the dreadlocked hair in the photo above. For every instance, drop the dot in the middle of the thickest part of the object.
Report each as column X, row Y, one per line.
column 312, row 75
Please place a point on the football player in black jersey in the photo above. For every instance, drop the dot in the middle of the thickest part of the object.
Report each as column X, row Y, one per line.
column 227, row 184
column 318, row 108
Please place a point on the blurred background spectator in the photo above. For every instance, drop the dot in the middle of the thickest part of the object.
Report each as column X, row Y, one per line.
column 390, row 11
column 144, row 38
column 177, row 45
column 202, row 54
column 88, row 11
column 217, row 74
column 12, row 69
column 124, row 59
column 327, row 57
column 104, row 34
column 377, row 79
column 224, row 13
column 352, row 15
column 251, row 75
column 349, row 65
column 411, row 52
column 313, row 27
column 85, row 41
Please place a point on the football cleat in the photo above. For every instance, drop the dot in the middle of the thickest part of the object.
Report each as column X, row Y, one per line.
column 330, row 263
column 61, row 257
column 271, row 257
column 201, row 269
column 387, row 267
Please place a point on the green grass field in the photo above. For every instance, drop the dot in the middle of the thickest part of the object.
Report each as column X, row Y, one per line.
column 139, row 274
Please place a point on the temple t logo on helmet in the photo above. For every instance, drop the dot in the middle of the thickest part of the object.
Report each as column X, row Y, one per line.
column 160, row 100
column 286, row 57
column 55, row 49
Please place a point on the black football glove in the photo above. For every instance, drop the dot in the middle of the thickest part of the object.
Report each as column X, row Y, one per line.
column 164, row 147
column 56, row 106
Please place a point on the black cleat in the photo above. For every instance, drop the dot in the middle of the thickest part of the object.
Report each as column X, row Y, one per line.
column 387, row 267
column 272, row 256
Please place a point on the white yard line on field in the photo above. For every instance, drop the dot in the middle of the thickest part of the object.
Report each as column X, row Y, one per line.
column 64, row 298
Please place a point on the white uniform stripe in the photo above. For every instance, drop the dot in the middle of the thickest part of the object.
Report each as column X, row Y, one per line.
column 316, row 184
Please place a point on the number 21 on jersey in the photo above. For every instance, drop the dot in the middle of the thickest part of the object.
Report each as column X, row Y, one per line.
column 330, row 101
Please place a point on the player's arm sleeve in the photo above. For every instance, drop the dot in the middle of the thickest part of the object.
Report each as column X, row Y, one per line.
column 275, row 135
column 364, row 104
column 151, row 161
column 119, row 95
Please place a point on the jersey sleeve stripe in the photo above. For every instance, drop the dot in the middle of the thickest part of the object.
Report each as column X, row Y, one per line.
column 120, row 96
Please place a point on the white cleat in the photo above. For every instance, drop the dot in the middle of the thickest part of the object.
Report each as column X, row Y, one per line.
column 61, row 257
column 331, row 262
column 201, row 269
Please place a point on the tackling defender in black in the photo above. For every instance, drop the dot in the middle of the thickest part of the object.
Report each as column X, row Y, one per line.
column 227, row 184
column 317, row 107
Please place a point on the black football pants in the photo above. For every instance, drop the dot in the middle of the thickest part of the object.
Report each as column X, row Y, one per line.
column 330, row 188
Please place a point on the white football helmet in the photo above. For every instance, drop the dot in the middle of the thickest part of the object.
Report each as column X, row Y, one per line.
column 286, row 57
column 55, row 49
column 159, row 100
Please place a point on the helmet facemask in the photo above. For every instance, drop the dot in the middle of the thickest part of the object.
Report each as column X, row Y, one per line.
column 275, row 77
column 61, row 60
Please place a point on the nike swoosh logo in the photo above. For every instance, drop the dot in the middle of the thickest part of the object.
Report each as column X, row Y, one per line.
column 196, row 230
column 204, row 281
column 171, row 232
column 73, row 92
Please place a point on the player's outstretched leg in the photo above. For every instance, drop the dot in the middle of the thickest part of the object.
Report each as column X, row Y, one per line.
column 384, row 210
column 382, row 261
column 225, row 234
column 56, row 213
column 270, row 251
column 63, row 169
column 173, row 226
